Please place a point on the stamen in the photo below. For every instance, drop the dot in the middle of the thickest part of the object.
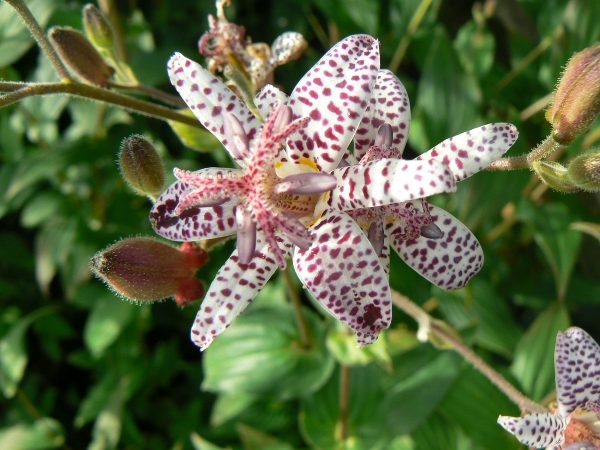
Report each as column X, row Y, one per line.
column 246, row 235
column 236, row 136
column 283, row 117
column 297, row 233
column 431, row 231
column 198, row 199
column 376, row 236
column 306, row 183
column 384, row 137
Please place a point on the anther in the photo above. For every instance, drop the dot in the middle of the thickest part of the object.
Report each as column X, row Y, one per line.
column 431, row 231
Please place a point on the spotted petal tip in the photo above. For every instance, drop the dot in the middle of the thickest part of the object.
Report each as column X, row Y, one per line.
column 536, row 430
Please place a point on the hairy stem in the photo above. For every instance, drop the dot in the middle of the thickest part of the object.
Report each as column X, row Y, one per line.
column 96, row 93
column 40, row 37
column 344, row 400
column 442, row 331
column 544, row 149
column 151, row 92
column 297, row 303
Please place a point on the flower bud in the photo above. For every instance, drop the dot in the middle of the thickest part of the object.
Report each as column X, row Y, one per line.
column 554, row 175
column 577, row 98
column 80, row 55
column 146, row 269
column 97, row 28
column 584, row 172
column 141, row 166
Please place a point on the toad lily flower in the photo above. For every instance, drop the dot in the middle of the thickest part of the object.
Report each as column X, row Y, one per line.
column 276, row 194
column 427, row 238
column 576, row 422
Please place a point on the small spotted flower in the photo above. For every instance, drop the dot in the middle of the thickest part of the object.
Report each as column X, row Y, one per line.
column 576, row 422
column 278, row 193
column 427, row 238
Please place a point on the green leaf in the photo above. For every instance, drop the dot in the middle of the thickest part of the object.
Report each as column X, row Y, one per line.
column 230, row 405
column 342, row 346
column 533, row 364
column 475, row 47
column 42, row 434
column 15, row 38
column 593, row 229
column 551, row 232
column 105, row 323
column 202, row 444
column 255, row 440
column 52, row 247
column 195, row 138
column 96, row 400
column 41, row 208
column 440, row 434
column 107, row 428
column 261, row 353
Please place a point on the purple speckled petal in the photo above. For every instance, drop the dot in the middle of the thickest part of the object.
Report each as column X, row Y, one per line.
column 233, row 288
column 267, row 98
column 389, row 181
column 448, row 262
column 209, row 99
column 334, row 94
column 194, row 223
column 344, row 274
column 473, row 150
column 536, row 430
column 388, row 104
column 577, row 363
column 286, row 47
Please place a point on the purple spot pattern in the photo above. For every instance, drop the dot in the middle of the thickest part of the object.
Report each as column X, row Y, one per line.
column 387, row 181
column 193, row 223
column 536, row 430
column 344, row 274
column 285, row 47
column 473, row 150
column 233, row 288
column 577, row 362
column 209, row 99
column 268, row 98
column 389, row 104
column 334, row 94
column 449, row 262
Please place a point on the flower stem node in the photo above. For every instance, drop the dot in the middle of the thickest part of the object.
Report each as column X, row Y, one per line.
column 577, row 98
column 97, row 28
column 554, row 175
column 141, row 166
column 80, row 56
column 584, row 172
column 146, row 270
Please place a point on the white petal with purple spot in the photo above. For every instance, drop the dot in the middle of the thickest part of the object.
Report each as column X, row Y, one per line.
column 268, row 98
column 536, row 430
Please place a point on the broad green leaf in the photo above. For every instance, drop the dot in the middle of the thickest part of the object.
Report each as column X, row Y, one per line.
column 342, row 346
column 255, row 440
column 475, row 47
column 533, row 364
column 200, row 443
column 230, row 405
column 474, row 404
column 365, row 13
column 261, row 353
column 197, row 139
column 42, row 434
column 106, row 321
column 41, row 208
column 95, row 400
column 15, row 38
column 440, row 434
column 52, row 247
column 107, row 428
column 559, row 243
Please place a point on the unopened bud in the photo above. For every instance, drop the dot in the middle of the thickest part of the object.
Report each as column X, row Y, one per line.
column 577, row 99
column 97, row 28
column 146, row 270
column 80, row 55
column 287, row 47
column 584, row 172
column 554, row 175
column 141, row 166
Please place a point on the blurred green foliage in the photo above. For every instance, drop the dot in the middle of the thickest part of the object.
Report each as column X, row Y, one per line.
column 81, row 368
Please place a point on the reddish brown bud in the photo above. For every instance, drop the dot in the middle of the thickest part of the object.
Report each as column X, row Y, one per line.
column 577, row 98
column 80, row 55
column 146, row 270
column 141, row 165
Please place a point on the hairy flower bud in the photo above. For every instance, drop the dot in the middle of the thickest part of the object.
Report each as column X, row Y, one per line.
column 97, row 28
column 584, row 172
column 577, row 98
column 80, row 55
column 146, row 269
column 554, row 175
column 141, row 166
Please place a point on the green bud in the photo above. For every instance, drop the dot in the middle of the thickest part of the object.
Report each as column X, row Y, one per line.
column 146, row 270
column 141, row 166
column 80, row 55
column 97, row 28
column 577, row 98
column 584, row 172
column 554, row 175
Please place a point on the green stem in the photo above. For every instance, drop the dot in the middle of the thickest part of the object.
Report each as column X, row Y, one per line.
column 413, row 25
column 344, row 400
column 151, row 92
column 297, row 303
column 96, row 93
column 443, row 331
column 40, row 37
column 544, row 149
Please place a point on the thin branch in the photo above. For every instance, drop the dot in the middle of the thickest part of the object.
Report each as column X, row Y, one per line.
column 297, row 303
column 40, row 37
column 443, row 331
column 92, row 92
column 151, row 92
column 544, row 149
